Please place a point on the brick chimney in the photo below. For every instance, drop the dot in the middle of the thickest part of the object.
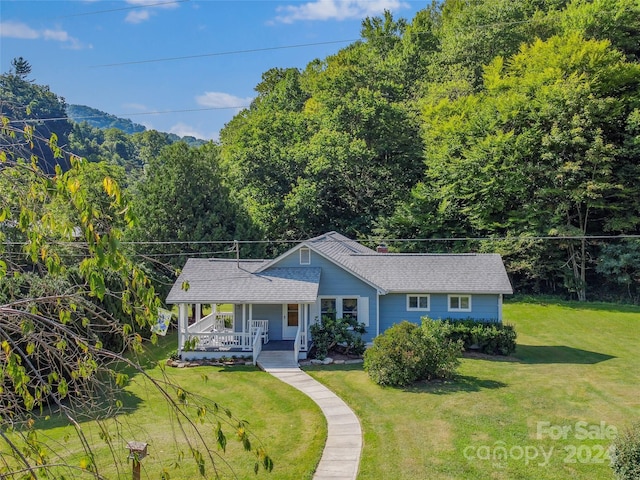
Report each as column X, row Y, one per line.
column 382, row 248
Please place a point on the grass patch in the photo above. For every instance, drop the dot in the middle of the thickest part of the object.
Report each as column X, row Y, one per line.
column 287, row 423
column 574, row 363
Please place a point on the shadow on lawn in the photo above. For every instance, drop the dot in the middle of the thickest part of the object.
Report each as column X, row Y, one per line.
column 461, row 383
column 540, row 354
column 103, row 410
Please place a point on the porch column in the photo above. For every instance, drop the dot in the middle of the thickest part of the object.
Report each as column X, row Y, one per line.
column 198, row 314
column 183, row 321
column 305, row 327
column 377, row 313
column 250, row 338
column 500, row 308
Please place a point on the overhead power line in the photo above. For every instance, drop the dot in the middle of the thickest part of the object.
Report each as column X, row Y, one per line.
column 217, row 54
column 370, row 240
column 133, row 7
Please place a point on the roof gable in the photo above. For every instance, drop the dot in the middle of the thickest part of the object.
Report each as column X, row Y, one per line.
column 333, row 246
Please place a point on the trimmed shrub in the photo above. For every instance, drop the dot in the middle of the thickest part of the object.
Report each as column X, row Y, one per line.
column 343, row 333
column 407, row 353
column 625, row 454
column 490, row 338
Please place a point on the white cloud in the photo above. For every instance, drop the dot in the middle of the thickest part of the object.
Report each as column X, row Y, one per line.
column 17, row 30
column 184, row 130
column 144, row 14
column 336, row 9
column 23, row 31
column 222, row 100
column 57, row 35
column 138, row 16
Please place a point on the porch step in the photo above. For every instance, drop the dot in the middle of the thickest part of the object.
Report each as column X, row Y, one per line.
column 268, row 360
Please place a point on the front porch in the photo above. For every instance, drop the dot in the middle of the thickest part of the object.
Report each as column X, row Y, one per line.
column 221, row 334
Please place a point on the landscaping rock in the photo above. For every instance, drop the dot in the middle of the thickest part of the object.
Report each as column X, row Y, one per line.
column 315, row 361
column 327, row 361
column 354, row 361
column 339, row 362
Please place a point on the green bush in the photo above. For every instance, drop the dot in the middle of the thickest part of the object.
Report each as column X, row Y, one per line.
column 625, row 454
column 339, row 333
column 490, row 338
column 407, row 353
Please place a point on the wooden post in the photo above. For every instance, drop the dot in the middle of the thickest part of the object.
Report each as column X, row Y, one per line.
column 137, row 451
column 136, row 469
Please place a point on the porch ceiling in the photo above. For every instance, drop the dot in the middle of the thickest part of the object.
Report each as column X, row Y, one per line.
column 230, row 281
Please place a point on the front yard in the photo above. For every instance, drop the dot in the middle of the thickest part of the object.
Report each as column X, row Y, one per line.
column 548, row 412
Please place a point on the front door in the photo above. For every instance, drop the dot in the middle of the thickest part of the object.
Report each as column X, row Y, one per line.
column 290, row 320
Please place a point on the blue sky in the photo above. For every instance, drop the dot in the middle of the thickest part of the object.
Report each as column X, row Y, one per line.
column 103, row 53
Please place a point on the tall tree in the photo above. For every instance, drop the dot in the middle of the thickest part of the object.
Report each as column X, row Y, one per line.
column 259, row 148
column 54, row 318
column 540, row 150
column 34, row 109
column 21, row 67
column 182, row 198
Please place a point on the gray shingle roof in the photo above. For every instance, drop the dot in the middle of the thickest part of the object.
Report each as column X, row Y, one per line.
column 228, row 281
column 407, row 273
column 333, row 244
column 261, row 281
column 433, row 273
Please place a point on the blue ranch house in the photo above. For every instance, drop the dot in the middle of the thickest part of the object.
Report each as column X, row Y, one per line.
column 277, row 300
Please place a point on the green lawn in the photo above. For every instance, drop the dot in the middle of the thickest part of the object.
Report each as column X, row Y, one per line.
column 576, row 374
column 577, row 368
column 288, row 424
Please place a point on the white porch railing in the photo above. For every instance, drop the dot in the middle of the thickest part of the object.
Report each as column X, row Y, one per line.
column 214, row 322
column 254, row 325
column 296, row 346
column 257, row 344
column 220, row 338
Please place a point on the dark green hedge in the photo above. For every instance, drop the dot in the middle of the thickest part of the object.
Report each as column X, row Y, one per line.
column 491, row 338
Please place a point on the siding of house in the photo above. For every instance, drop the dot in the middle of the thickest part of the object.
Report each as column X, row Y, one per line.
column 270, row 312
column 335, row 281
column 393, row 309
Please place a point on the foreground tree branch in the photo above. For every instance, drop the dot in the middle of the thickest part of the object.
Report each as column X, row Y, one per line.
column 75, row 309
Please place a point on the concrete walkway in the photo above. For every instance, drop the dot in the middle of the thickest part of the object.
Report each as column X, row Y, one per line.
column 341, row 455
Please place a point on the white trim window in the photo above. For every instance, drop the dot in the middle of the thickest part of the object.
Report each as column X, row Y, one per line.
column 421, row 302
column 328, row 308
column 459, row 303
column 345, row 307
column 305, row 256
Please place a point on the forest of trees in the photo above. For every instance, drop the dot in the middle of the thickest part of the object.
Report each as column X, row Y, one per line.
column 492, row 125
column 479, row 125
